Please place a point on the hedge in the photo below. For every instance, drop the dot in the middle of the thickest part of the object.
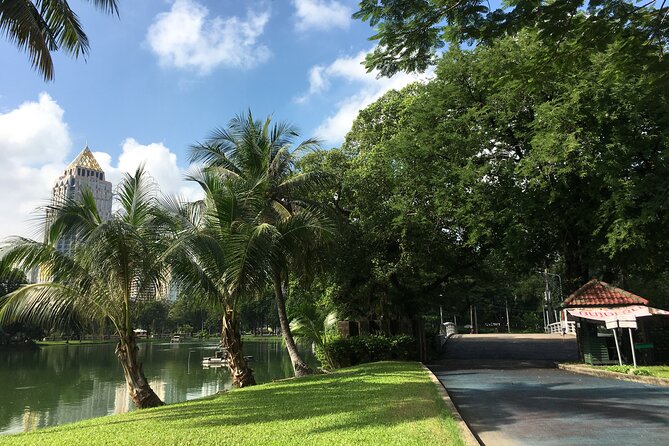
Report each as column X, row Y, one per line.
column 345, row 352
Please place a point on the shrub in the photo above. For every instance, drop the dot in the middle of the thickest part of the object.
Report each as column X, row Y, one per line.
column 360, row 349
column 403, row 347
column 642, row 372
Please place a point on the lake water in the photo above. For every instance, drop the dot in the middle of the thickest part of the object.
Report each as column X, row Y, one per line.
column 66, row 383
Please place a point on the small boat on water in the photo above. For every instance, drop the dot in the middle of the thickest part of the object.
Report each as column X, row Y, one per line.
column 175, row 338
column 220, row 357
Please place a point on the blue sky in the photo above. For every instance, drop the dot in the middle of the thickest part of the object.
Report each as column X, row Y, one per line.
column 163, row 75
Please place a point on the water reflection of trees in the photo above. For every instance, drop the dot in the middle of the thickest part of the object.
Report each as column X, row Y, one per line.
column 60, row 384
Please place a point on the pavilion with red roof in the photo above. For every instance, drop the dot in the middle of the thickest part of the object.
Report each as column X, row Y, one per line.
column 597, row 302
column 600, row 294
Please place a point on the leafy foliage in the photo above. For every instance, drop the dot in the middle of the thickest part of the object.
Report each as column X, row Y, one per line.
column 516, row 158
column 395, row 249
column 316, row 328
column 344, row 352
column 410, row 33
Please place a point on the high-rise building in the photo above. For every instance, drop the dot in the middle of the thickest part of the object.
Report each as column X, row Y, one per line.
column 82, row 173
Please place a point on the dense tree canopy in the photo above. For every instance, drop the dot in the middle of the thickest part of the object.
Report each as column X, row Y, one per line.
column 410, row 33
column 514, row 159
column 550, row 155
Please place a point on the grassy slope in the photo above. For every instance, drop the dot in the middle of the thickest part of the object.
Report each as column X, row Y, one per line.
column 381, row 403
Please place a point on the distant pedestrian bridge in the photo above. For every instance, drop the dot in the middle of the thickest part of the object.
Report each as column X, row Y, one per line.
column 569, row 327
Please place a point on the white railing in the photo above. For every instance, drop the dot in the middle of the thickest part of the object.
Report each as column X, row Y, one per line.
column 556, row 327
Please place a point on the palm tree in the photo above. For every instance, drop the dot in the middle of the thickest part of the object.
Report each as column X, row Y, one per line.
column 261, row 155
column 316, row 328
column 42, row 26
column 113, row 265
column 211, row 258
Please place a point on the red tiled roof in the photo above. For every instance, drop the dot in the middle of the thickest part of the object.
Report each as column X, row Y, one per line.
column 597, row 293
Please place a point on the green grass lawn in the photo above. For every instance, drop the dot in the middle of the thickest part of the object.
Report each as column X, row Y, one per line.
column 659, row 371
column 392, row 403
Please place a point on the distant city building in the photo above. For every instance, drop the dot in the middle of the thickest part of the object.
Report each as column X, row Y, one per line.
column 82, row 173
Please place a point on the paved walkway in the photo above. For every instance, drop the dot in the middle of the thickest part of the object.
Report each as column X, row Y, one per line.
column 523, row 401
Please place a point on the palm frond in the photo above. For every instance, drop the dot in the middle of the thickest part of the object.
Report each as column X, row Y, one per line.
column 40, row 27
column 137, row 196
column 22, row 24
column 64, row 26
column 304, row 184
column 46, row 305
column 107, row 6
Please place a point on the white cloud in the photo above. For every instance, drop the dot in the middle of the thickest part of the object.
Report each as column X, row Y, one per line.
column 370, row 88
column 317, row 83
column 35, row 146
column 186, row 37
column 158, row 160
column 321, row 15
column 34, row 132
column 34, row 141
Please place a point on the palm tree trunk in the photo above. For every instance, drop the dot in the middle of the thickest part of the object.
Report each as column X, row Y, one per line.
column 138, row 387
column 231, row 341
column 299, row 366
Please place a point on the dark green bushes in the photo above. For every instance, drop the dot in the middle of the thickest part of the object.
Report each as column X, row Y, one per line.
column 345, row 352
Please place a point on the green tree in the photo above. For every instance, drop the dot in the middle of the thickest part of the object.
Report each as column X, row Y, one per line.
column 40, row 27
column 260, row 156
column 259, row 312
column 152, row 315
column 195, row 312
column 515, row 158
column 115, row 264
column 536, row 158
column 396, row 248
column 410, row 33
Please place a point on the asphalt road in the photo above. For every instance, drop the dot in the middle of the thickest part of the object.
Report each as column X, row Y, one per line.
column 509, row 394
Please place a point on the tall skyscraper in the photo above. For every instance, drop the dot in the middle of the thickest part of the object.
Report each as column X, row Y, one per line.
column 82, row 173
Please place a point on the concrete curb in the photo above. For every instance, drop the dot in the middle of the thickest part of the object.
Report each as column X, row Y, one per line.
column 585, row 370
column 467, row 435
